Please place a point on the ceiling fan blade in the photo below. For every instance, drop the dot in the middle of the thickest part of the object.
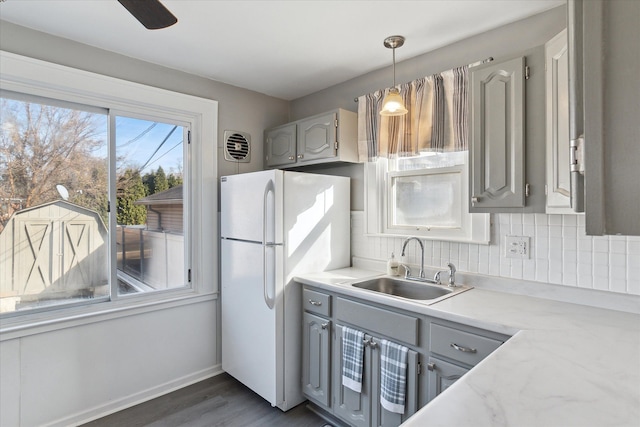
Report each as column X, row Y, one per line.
column 151, row 13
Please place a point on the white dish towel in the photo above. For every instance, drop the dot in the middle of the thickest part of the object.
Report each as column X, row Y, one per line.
column 352, row 356
column 393, row 376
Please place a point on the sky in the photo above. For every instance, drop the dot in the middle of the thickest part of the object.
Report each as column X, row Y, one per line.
column 148, row 144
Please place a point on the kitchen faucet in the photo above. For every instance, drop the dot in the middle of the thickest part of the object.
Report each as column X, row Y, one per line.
column 407, row 273
column 420, row 277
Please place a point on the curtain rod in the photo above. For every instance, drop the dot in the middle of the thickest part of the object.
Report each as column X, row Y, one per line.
column 473, row 64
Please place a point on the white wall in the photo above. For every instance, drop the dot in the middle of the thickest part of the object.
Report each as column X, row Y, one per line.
column 73, row 374
column 561, row 253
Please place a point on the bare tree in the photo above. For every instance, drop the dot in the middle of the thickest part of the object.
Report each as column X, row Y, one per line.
column 42, row 146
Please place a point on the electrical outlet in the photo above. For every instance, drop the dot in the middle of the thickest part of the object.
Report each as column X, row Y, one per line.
column 517, row 246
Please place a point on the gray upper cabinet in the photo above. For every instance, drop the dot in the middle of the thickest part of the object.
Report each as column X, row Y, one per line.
column 497, row 129
column 280, row 146
column 317, row 138
column 507, row 135
column 605, row 100
column 324, row 138
column 558, row 187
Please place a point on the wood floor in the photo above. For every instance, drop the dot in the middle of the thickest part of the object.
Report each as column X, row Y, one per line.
column 218, row 401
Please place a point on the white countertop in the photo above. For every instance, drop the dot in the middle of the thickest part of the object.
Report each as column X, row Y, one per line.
column 565, row 365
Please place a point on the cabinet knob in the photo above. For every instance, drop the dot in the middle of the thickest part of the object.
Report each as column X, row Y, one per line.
column 475, row 200
column 301, row 156
column 431, row 366
column 317, row 303
column 292, row 158
column 324, row 325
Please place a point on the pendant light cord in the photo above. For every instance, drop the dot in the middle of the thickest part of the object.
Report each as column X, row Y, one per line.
column 394, row 66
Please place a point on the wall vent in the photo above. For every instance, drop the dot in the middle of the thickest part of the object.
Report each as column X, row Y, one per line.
column 237, row 146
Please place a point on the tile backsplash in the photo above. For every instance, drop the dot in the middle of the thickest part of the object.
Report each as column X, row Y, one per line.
column 560, row 252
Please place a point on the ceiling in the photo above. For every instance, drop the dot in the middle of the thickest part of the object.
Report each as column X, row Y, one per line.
column 285, row 49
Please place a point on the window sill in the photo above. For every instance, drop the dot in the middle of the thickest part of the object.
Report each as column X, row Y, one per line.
column 37, row 323
column 426, row 236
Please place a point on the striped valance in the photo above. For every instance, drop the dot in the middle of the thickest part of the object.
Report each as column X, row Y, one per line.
column 436, row 121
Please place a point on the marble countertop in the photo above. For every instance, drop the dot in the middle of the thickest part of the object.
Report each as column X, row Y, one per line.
column 565, row 365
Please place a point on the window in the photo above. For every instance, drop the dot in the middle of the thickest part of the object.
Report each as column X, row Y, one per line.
column 96, row 198
column 150, row 205
column 425, row 195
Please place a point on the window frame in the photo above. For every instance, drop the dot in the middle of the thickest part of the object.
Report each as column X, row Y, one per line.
column 44, row 79
column 188, row 235
column 475, row 228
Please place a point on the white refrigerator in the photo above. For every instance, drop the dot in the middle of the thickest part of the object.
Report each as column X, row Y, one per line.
column 274, row 225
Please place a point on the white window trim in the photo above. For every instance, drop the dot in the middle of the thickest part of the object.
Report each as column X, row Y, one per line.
column 475, row 227
column 31, row 76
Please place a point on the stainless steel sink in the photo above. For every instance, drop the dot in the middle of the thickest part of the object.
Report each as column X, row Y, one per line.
column 408, row 289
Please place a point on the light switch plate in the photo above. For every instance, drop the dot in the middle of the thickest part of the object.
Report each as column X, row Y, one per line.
column 517, row 246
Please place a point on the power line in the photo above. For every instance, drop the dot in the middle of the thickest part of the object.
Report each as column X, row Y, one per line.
column 165, row 153
column 159, row 146
column 144, row 132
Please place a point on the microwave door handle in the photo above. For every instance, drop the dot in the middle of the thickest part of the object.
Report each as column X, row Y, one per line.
column 269, row 300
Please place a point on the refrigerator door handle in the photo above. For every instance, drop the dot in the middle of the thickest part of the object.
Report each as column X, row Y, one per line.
column 269, row 300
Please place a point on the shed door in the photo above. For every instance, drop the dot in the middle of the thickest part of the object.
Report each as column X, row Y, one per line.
column 53, row 253
column 34, row 255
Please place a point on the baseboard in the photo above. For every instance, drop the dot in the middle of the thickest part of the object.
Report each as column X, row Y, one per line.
column 136, row 398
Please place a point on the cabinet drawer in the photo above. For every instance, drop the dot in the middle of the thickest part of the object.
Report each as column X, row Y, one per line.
column 316, row 302
column 460, row 345
column 396, row 326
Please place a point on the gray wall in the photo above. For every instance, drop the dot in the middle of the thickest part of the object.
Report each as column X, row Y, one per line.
column 30, row 386
column 504, row 41
column 238, row 109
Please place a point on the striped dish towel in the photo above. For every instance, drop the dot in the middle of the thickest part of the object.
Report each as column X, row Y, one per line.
column 393, row 376
column 352, row 355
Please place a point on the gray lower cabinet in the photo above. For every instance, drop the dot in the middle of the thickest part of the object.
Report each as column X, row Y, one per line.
column 364, row 409
column 351, row 406
column 316, row 354
column 442, row 374
column 440, row 352
column 455, row 349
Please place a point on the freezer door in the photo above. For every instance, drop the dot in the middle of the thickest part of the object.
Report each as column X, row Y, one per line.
column 251, row 206
column 252, row 332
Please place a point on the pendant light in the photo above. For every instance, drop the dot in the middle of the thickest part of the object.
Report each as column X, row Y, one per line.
column 393, row 104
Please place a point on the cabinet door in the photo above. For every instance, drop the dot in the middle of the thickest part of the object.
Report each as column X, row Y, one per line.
column 441, row 375
column 381, row 416
column 557, row 127
column 317, row 137
column 280, row 145
column 354, row 408
column 497, row 135
column 316, row 353
column 609, row 58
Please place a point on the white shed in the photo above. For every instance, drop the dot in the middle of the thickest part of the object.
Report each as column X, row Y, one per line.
column 52, row 251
